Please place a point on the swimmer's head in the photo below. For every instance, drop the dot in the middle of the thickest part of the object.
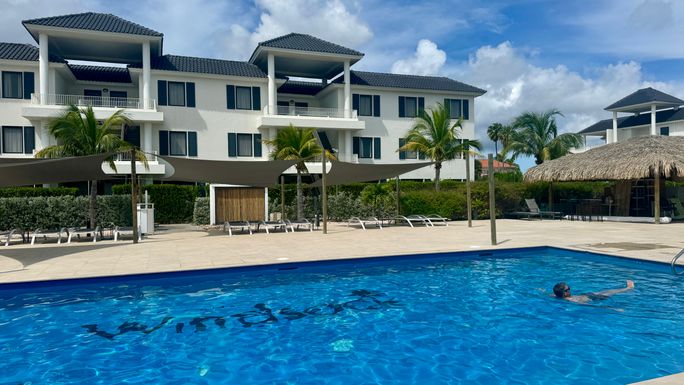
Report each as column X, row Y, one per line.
column 561, row 290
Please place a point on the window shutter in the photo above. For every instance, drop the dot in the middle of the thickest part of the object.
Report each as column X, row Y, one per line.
column 29, row 138
column 192, row 143
column 190, row 94
column 232, row 144
column 355, row 102
column 161, row 94
column 230, row 97
column 256, row 100
column 257, row 145
column 376, row 105
column 402, row 103
column 466, row 109
column 447, row 105
column 163, row 142
column 377, row 153
column 355, row 145
column 29, row 84
column 421, row 105
column 402, row 154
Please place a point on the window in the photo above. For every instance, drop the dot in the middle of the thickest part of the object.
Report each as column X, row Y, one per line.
column 665, row 131
column 244, row 145
column 176, row 94
column 12, row 85
column 178, row 143
column 118, row 94
column 458, row 108
column 406, row 154
column 12, row 140
column 243, row 98
column 410, row 107
column 365, row 105
column 366, row 147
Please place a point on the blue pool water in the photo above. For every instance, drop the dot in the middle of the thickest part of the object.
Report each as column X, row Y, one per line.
column 463, row 318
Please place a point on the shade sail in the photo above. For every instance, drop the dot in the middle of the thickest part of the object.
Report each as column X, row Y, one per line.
column 246, row 173
column 343, row 172
column 634, row 158
column 21, row 172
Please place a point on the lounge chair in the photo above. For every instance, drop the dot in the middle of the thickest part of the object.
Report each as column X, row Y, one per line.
column 237, row 225
column 10, row 234
column 365, row 222
column 436, row 218
column 119, row 231
column 413, row 219
column 46, row 234
column 677, row 209
column 86, row 232
column 296, row 224
column 532, row 205
column 271, row 225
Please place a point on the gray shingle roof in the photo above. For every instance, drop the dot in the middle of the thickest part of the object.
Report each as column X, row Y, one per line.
column 643, row 96
column 303, row 42
column 204, row 66
column 92, row 21
column 25, row 52
column 100, row 74
column 663, row 116
column 434, row 83
column 300, row 88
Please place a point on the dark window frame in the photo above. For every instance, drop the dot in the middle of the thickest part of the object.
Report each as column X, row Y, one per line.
column 251, row 145
column 363, row 139
column 665, row 129
column 21, row 85
column 249, row 89
column 178, row 133
column 370, row 103
column 168, row 94
column 407, row 99
column 4, row 142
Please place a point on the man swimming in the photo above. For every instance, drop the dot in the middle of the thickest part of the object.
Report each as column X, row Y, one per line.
column 562, row 291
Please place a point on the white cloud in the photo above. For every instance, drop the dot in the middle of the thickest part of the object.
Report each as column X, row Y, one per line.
column 14, row 11
column 427, row 60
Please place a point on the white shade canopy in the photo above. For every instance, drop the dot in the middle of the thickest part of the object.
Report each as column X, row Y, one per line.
column 246, row 173
column 29, row 171
column 343, row 172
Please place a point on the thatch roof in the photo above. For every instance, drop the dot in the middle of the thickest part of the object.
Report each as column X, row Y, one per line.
column 634, row 158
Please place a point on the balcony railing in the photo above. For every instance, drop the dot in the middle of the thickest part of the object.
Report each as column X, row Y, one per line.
column 318, row 112
column 94, row 101
column 126, row 157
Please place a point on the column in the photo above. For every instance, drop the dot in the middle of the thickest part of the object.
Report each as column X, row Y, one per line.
column 653, row 119
column 146, row 76
column 347, row 91
column 147, row 137
column 615, row 128
column 43, row 62
column 348, row 147
column 271, row 85
column 609, row 136
column 43, row 135
column 341, row 148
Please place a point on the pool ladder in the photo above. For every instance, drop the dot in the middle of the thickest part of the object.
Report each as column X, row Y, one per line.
column 673, row 264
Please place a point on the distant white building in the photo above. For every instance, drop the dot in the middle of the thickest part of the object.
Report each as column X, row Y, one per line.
column 211, row 108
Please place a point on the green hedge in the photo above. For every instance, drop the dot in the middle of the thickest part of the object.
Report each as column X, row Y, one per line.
column 15, row 192
column 172, row 203
column 201, row 214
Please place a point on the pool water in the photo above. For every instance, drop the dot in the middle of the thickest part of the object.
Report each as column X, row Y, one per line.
column 461, row 318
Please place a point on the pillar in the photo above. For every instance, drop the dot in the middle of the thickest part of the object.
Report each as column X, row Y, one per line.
column 653, row 119
column 609, row 136
column 615, row 128
column 43, row 60
column 347, row 91
column 348, row 146
column 147, row 137
column 271, row 85
column 341, row 148
column 146, row 76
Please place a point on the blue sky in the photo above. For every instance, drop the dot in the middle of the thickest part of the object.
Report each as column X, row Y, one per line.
column 530, row 55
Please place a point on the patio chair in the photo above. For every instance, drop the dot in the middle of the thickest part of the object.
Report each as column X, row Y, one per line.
column 86, row 232
column 413, row 219
column 365, row 222
column 237, row 225
column 677, row 209
column 120, row 231
column 532, row 205
column 296, row 224
column 46, row 234
column 10, row 234
column 436, row 219
column 271, row 225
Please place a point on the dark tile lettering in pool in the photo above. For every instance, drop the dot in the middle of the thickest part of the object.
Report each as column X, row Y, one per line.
column 366, row 300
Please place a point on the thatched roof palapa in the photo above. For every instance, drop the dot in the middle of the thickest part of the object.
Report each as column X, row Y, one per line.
column 634, row 158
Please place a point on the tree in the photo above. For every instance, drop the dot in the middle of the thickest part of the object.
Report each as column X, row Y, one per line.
column 79, row 133
column 300, row 144
column 494, row 133
column 434, row 135
column 374, row 194
column 536, row 134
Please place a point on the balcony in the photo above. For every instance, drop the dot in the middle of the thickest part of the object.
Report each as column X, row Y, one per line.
column 123, row 165
column 51, row 105
column 318, row 117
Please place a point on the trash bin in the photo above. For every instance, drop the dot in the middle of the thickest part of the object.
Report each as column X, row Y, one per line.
column 146, row 216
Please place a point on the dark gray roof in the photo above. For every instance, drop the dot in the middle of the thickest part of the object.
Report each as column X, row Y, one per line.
column 303, row 42
column 435, row 83
column 92, row 21
column 643, row 96
column 300, row 88
column 26, row 52
column 663, row 116
column 100, row 74
column 204, row 66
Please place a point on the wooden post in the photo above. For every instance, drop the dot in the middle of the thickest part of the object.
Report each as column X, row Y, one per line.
column 134, row 197
column 282, row 197
column 469, row 203
column 398, row 201
column 324, row 195
column 492, row 201
column 656, row 195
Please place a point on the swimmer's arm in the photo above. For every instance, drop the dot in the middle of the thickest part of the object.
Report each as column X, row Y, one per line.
column 608, row 293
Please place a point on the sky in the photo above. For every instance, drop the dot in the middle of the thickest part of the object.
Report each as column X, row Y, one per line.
column 530, row 55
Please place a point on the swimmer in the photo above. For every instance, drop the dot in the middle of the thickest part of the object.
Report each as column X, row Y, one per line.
column 562, row 290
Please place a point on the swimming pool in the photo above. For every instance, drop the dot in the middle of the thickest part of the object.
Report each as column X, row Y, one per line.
column 480, row 318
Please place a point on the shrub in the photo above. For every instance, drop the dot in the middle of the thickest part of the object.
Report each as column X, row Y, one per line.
column 15, row 192
column 172, row 203
column 201, row 214
column 448, row 204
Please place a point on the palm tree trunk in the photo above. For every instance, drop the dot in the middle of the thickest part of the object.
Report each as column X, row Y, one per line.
column 496, row 147
column 438, row 168
column 300, row 197
column 92, row 212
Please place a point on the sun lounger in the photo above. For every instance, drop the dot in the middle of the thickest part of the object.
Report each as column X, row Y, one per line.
column 10, row 234
column 296, row 224
column 120, row 231
column 85, row 232
column 435, row 218
column 534, row 208
column 365, row 222
column 272, row 225
column 237, row 225
column 46, row 234
column 411, row 219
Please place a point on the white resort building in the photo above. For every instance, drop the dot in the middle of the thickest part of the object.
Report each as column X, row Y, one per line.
column 211, row 108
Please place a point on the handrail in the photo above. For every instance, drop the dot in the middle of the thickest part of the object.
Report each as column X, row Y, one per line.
column 319, row 112
column 94, row 101
column 674, row 262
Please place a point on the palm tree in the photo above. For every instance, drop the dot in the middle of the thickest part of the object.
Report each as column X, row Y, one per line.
column 300, row 144
column 494, row 133
column 536, row 134
column 434, row 135
column 79, row 133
